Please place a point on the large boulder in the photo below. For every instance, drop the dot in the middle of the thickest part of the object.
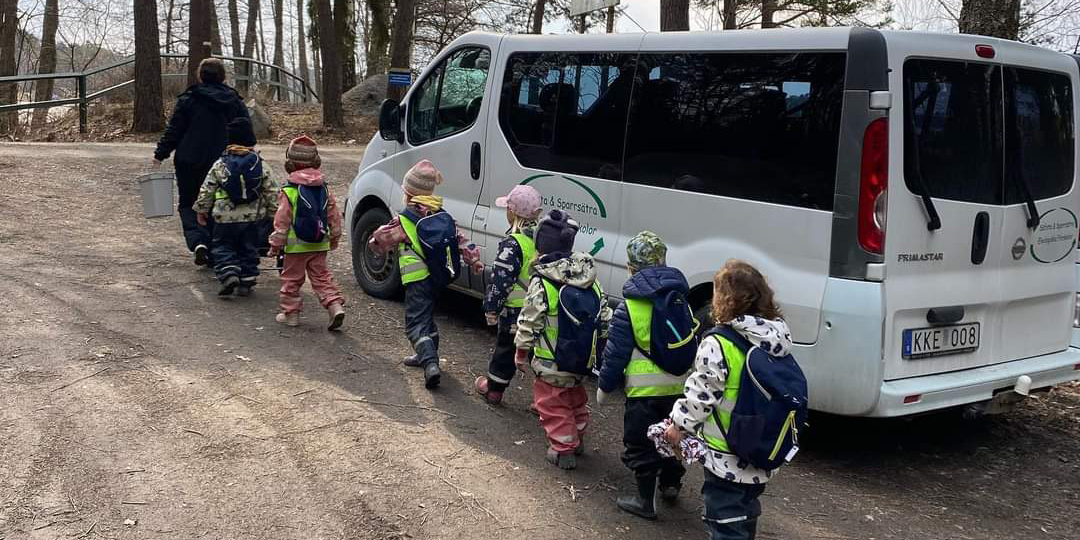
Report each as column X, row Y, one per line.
column 260, row 120
column 366, row 97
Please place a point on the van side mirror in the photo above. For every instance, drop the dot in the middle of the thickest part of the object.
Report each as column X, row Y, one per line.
column 390, row 121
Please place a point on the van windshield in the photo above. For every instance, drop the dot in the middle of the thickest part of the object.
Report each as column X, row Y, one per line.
column 974, row 132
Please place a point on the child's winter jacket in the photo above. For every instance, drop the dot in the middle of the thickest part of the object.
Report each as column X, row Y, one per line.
column 506, row 276
column 578, row 270
column 284, row 215
column 212, row 199
column 386, row 238
column 705, row 388
column 647, row 284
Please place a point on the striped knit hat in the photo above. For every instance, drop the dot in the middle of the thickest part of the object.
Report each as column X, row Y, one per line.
column 421, row 179
column 302, row 153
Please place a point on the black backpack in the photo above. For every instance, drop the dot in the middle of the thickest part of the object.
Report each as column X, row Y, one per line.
column 437, row 234
column 244, row 183
column 771, row 407
column 311, row 223
column 673, row 339
column 579, row 320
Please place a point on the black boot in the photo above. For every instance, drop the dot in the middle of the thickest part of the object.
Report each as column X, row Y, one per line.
column 432, row 375
column 641, row 504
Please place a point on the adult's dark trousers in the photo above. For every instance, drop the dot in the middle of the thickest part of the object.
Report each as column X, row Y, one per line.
column 501, row 368
column 639, row 452
column 236, row 251
column 731, row 509
column 420, row 319
column 189, row 179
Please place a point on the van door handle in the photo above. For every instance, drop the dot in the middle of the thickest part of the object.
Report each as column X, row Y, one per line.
column 980, row 238
column 474, row 161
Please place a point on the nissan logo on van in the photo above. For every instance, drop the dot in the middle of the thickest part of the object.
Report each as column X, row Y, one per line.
column 1018, row 249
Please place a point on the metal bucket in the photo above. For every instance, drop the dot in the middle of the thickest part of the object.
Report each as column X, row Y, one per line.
column 157, row 194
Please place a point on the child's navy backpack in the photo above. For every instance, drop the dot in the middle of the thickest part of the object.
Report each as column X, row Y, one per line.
column 244, row 183
column 437, row 234
column 579, row 320
column 771, row 406
column 310, row 222
column 673, row 341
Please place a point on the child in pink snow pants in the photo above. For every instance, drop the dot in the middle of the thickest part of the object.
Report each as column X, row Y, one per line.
column 558, row 393
column 307, row 226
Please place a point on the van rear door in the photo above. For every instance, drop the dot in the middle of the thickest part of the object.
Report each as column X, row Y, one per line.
column 970, row 280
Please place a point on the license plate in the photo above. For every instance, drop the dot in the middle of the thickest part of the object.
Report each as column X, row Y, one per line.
column 940, row 340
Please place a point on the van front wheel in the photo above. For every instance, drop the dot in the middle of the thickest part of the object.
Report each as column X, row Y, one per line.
column 377, row 274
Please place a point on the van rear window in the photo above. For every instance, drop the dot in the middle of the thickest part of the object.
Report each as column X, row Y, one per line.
column 974, row 131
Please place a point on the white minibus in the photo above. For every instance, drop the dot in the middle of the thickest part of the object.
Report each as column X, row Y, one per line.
column 909, row 195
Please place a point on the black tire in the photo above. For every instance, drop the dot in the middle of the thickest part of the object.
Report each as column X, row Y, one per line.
column 378, row 275
column 704, row 315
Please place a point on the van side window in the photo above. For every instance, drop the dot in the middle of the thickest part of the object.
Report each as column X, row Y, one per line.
column 567, row 112
column 764, row 127
column 448, row 100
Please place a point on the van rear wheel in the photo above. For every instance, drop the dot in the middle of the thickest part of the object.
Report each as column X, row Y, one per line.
column 704, row 316
column 377, row 274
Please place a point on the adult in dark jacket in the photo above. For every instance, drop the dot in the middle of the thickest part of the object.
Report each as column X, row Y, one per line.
column 196, row 132
column 650, row 280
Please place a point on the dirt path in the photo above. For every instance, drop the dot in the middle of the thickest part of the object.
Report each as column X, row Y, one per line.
column 136, row 404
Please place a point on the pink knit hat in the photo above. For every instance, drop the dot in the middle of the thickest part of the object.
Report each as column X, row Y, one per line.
column 523, row 201
column 421, row 179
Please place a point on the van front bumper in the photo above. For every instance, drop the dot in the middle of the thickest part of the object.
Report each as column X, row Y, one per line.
column 958, row 388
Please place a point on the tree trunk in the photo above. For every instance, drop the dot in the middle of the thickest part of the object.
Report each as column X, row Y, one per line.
column 994, row 18
column 234, row 29
column 198, row 36
column 401, row 43
column 731, row 21
column 249, row 46
column 317, row 66
column 215, row 29
column 768, row 11
column 538, row 17
column 379, row 39
column 9, row 25
column 168, row 27
column 47, row 60
column 304, row 73
column 346, row 35
column 279, row 44
column 674, row 15
column 333, row 115
column 610, row 20
column 149, row 111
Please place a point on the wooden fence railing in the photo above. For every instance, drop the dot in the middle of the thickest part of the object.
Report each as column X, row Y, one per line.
column 84, row 96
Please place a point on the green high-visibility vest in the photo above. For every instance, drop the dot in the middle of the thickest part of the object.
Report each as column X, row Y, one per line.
column 528, row 253
column 711, row 432
column 293, row 244
column 411, row 260
column 643, row 377
column 544, row 352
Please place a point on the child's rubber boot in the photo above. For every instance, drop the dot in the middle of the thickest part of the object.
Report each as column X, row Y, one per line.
column 492, row 397
column 337, row 316
column 243, row 290
column 669, row 485
column 565, row 461
column 432, row 375
column 202, row 255
column 288, row 319
column 412, row 361
column 580, row 450
column 640, row 504
column 229, row 285
column 670, row 493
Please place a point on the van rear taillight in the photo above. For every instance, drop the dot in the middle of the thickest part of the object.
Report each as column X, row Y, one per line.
column 873, row 186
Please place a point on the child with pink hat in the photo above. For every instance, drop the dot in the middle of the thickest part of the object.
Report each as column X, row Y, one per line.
column 427, row 266
column 506, row 294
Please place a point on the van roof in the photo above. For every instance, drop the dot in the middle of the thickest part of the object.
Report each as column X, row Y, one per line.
column 831, row 38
